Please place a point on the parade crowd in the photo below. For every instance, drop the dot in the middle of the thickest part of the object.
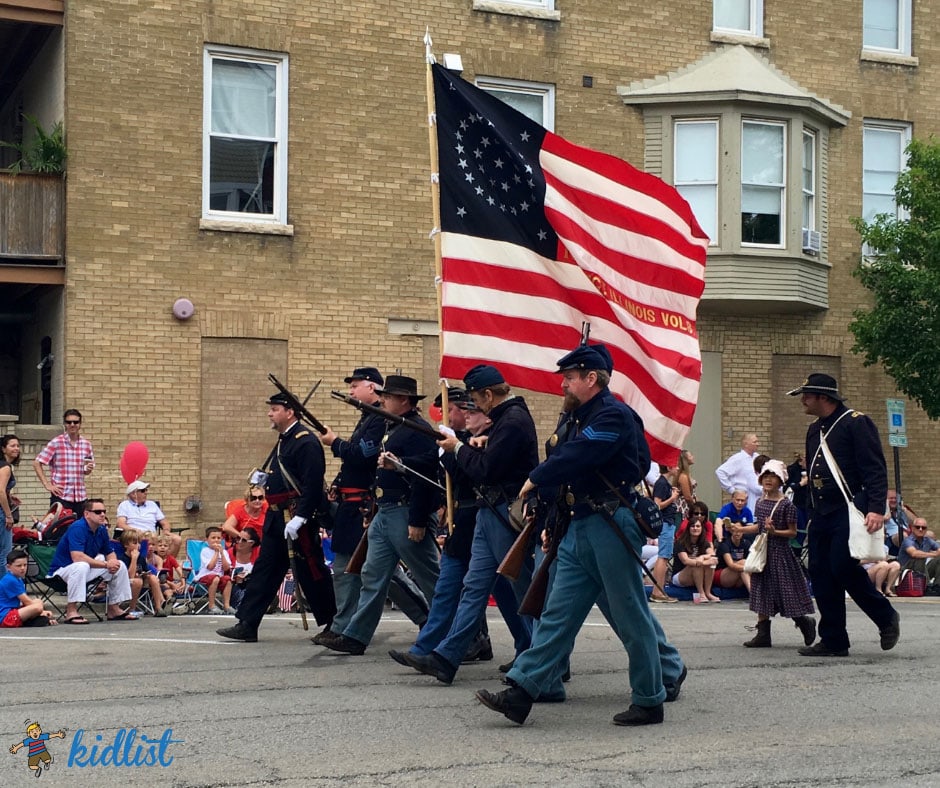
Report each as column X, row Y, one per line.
column 594, row 523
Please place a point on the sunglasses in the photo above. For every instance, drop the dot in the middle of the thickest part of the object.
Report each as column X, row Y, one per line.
column 98, row 511
column 73, row 422
column 256, row 497
column 919, row 527
column 244, row 539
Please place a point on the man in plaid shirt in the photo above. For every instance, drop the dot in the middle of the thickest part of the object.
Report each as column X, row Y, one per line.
column 69, row 458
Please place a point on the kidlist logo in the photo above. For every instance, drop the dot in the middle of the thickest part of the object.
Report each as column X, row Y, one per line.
column 129, row 747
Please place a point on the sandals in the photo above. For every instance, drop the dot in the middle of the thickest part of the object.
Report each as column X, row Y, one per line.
column 75, row 620
column 127, row 615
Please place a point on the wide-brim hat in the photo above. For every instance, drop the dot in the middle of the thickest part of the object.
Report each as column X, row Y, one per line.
column 819, row 383
column 401, row 385
column 365, row 373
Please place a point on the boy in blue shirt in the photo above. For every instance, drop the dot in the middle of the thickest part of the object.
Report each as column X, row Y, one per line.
column 17, row 608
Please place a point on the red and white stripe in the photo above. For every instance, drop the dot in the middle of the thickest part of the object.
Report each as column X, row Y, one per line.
column 633, row 266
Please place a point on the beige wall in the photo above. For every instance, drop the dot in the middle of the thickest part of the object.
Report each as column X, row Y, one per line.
column 360, row 207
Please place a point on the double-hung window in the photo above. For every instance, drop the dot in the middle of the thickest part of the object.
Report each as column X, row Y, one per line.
column 883, row 159
column 763, row 183
column 887, row 26
column 535, row 100
column 696, row 170
column 244, row 171
column 744, row 17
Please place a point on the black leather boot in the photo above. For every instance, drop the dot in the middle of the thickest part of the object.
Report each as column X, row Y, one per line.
column 762, row 638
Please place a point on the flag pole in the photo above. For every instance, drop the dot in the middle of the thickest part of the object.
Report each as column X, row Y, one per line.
column 436, row 238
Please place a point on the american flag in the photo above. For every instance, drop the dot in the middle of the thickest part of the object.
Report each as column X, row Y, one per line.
column 539, row 235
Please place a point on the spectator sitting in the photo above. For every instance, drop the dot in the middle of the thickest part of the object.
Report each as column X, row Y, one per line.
column 884, row 574
column 169, row 571
column 920, row 552
column 17, row 608
column 897, row 526
column 85, row 553
column 241, row 513
column 731, row 554
column 735, row 511
column 698, row 511
column 137, row 512
column 695, row 561
column 242, row 557
column 139, row 574
column 214, row 569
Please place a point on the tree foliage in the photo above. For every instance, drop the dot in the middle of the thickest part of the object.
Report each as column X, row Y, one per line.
column 901, row 268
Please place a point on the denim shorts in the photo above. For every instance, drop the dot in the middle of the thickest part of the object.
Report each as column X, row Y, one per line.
column 666, row 541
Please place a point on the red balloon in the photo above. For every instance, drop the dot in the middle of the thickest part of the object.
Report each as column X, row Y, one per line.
column 134, row 461
column 434, row 412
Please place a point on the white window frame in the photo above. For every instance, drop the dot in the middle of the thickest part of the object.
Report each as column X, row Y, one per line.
column 679, row 183
column 904, row 17
column 903, row 130
column 808, row 203
column 782, row 185
column 755, row 16
column 280, row 63
column 543, row 90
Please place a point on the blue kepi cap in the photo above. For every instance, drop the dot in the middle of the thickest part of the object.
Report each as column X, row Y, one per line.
column 587, row 357
column 481, row 376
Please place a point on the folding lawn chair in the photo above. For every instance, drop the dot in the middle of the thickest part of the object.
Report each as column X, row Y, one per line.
column 39, row 560
column 144, row 598
column 196, row 595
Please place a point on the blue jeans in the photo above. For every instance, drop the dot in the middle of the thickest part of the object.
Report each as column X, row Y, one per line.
column 591, row 560
column 443, row 606
column 389, row 543
column 491, row 541
column 346, row 587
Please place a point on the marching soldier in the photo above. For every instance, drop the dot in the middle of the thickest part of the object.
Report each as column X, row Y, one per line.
column 853, row 439
column 592, row 558
column 294, row 491
column 404, row 524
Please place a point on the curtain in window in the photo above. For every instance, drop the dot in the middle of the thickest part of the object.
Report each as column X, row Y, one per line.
column 696, row 171
column 761, row 183
column 733, row 15
column 243, row 98
column 882, row 154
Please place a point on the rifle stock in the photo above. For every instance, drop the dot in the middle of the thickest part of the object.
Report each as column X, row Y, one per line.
column 297, row 406
column 534, row 599
column 298, row 591
column 358, row 558
column 512, row 563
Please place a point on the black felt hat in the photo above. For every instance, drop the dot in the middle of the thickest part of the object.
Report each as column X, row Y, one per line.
column 400, row 384
column 819, row 383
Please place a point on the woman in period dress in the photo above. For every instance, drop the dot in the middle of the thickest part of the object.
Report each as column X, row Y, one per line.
column 780, row 589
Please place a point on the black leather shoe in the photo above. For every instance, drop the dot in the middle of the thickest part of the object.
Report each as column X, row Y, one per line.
column 891, row 633
column 324, row 636
column 513, row 703
column 399, row 657
column 239, row 632
column 346, row 645
column 432, row 665
column 673, row 690
column 640, row 715
column 507, row 667
column 820, row 649
column 480, row 650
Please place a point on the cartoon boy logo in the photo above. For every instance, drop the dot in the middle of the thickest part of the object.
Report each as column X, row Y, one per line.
column 36, row 740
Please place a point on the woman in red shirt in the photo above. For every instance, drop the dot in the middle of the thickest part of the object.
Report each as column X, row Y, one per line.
column 241, row 513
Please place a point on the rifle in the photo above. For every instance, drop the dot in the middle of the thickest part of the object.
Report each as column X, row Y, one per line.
column 358, row 558
column 512, row 562
column 534, row 599
column 388, row 415
column 297, row 406
column 298, row 591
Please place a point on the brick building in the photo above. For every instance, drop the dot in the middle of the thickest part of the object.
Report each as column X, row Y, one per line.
column 268, row 163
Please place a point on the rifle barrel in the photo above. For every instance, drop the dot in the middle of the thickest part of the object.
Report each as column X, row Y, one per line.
column 388, row 415
column 297, row 406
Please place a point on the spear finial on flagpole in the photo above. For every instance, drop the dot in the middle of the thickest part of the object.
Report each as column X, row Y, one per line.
column 585, row 331
column 428, row 54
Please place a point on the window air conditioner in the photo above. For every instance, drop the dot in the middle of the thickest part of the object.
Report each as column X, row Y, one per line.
column 810, row 242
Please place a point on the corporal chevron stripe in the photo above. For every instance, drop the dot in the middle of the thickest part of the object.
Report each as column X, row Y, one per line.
column 538, row 235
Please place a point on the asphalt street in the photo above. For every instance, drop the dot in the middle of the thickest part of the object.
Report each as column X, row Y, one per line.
column 167, row 702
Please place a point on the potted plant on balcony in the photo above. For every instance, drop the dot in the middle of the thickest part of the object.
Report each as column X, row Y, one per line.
column 44, row 152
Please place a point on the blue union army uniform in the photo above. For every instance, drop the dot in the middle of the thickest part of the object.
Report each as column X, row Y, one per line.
column 592, row 559
column 299, row 464
column 853, row 440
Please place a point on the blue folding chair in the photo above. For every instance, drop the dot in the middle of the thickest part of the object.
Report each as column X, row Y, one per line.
column 196, row 595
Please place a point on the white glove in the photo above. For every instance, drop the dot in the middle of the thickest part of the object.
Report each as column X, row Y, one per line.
column 446, row 431
column 293, row 527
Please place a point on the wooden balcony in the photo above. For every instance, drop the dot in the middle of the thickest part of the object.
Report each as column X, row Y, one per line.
column 42, row 12
column 32, row 221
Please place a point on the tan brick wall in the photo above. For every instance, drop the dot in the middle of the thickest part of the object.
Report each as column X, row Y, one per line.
column 360, row 205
